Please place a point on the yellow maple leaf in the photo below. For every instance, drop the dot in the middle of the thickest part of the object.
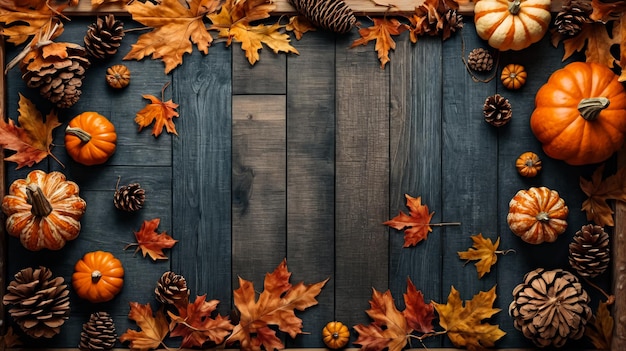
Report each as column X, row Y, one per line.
column 381, row 31
column 484, row 251
column 464, row 324
column 600, row 331
column 299, row 25
column 176, row 27
column 153, row 328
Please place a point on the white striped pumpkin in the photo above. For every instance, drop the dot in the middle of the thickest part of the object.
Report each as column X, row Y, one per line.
column 537, row 215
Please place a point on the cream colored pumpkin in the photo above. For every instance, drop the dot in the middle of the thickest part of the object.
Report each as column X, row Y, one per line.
column 512, row 25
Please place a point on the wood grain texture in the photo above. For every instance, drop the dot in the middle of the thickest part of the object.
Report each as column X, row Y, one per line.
column 618, row 258
column 310, row 177
column 361, row 180
column 3, row 246
column 266, row 77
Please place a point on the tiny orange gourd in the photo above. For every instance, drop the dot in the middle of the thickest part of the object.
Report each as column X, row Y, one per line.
column 98, row 276
column 118, row 76
column 528, row 164
column 513, row 76
column 90, row 138
column 336, row 335
column 537, row 215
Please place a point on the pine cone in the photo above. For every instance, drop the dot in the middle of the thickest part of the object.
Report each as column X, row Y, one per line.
column 573, row 15
column 332, row 15
column 452, row 21
column 497, row 110
column 440, row 19
column 98, row 333
column 550, row 307
column 104, row 37
column 172, row 289
column 39, row 303
column 129, row 197
column 480, row 60
column 589, row 252
column 58, row 76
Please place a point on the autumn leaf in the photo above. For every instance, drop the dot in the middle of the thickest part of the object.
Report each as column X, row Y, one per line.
column 32, row 139
column 594, row 39
column 98, row 3
column 600, row 331
column 195, row 324
column 430, row 18
column 419, row 314
column 602, row 11
column 464, row 323
column 416, row 224
column 599, row 191
column 299, row 25
column 484, row 251
column 275, row 306
column 154, row 329
column 24, row 19
column 381, row 31
column 9, row 340
column 162, row 113
column 150, row 242
column 177, row 26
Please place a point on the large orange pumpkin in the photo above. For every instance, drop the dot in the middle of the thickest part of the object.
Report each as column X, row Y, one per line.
column 90, row 138
column 98, row 276
column 44, row 210
column 580, row 114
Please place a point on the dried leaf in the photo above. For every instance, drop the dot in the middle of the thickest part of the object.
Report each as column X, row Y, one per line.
column 484, row 251
column 419, row 315
column 152, row 243
column 31, row 141
column 24, row 19
column 464, row 324
column 153, row 328
column 9, row 340
column 600, row 332
column 602, row 11
column 299, row 25
column 381, row 31
column 275, row 305
column 98, row 3
column 162, row 113
column 599, row 191
column 195, row 324
column 594, row 39
column 177, row 25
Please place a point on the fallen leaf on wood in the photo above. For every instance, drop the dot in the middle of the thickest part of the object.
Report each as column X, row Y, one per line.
column 24, row 19
column 195, row 324
column 150, row 242
column 154, row 328
column 600, row 331
column 9, row 340
column 159, row 112
column 299, row 25
column 32, row 139
column 484, row 251
column 382, row 31
column 599, row 191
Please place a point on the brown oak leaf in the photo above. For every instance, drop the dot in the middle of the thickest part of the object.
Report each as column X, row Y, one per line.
column 299, row 25
column 32, row 139
column 600, row 331
column 177, row 25
column 154, row 328
column 150, row 242
column 602, row 11
column 464, row 323
column 195, row 324
column 382, row 31
column 275, row 306
column 484, row 251
column 599, row 191
column 159, row 112
column 594, row 39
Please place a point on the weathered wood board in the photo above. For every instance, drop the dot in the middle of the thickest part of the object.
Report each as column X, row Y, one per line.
column 303, row 157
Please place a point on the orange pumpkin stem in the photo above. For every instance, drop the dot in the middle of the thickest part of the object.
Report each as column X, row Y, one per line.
column 590, row 108
column 40, row 206
column 79, row 133
column 95, row 276
column 515, row 6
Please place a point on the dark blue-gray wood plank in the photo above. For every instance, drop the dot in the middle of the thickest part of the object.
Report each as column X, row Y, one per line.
column 362, row 179
column 310, row 176
column 415, row 162
column 202, row 174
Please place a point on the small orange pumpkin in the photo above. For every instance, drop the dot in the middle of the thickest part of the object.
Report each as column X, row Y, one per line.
column 90, row 138
column 98, row 276
column 537, row 215
column 528, row 164
column 43, row 210
column 118, row 76
column 513, row 76
column 336, row 335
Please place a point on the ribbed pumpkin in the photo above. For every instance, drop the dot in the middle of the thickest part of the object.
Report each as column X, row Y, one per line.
column 98, row 276
column 537, row 215
column 513, row 76
column 90, row 138
column 336, row 335
column 528, row 164
column 512, row 25
column 580, row 114
column 44, row 210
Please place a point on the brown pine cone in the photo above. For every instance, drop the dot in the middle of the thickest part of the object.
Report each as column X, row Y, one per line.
column 589, row 251
column 480, row 60
column 98, row 333
column 452, row 22
column 129, row 198
column 573, row 15
column 172, row 289
column 333, row 15
column 39, row 303
column 104, row 37
column 550, row 307
column 497, row 110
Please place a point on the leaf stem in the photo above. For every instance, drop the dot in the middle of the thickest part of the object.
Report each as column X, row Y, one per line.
column 610, row 299
column 504, row 252
column 444, row 224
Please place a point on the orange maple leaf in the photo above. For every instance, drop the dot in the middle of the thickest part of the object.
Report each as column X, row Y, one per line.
column 23, row 19
column 154, row 329
column 177, row 25
column 484, row 251
column 391, row 328
column 31, row 141
column 417, row 222
column 161, row 112
column 275, row 305
column 195, row 324
column 299, row 25
column 233, row 22
column 382, row 31
column 599, row 191
column 150, row 242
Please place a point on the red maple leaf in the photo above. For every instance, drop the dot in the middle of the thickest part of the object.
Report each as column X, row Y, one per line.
column 150, row 242
column 195, row 324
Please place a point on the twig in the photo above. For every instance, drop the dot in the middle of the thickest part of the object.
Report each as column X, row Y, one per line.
column 610, row 299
